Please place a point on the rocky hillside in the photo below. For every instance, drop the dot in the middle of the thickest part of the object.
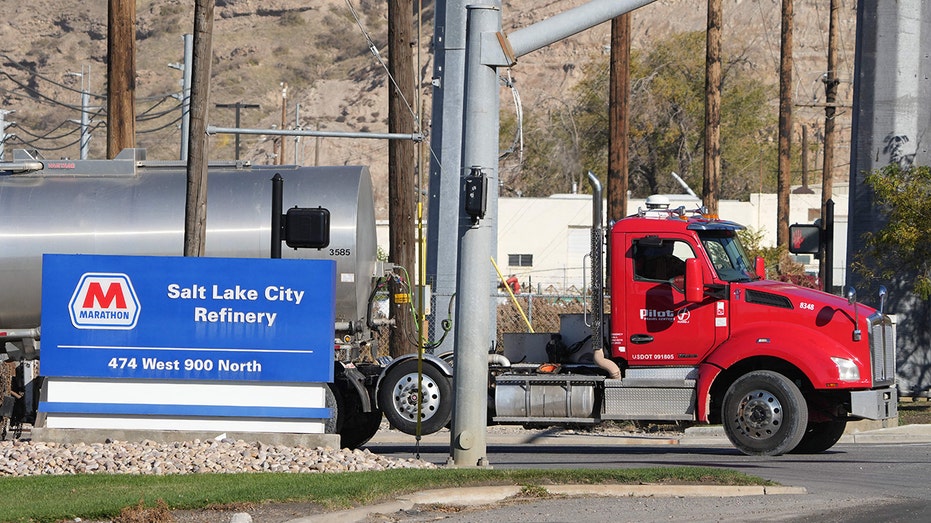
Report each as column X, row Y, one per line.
column 321, row 50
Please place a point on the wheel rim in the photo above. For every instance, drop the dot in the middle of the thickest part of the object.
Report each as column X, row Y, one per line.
column 405, row 397
column 759, row 415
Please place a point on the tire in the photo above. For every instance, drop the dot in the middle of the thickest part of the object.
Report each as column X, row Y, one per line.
column 764, row 414
column 820, row 436
column 397, row 398
column 358, row 426
column 333, row 401
column 355, row 428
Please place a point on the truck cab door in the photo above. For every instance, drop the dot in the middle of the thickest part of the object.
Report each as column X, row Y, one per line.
column 661, row 325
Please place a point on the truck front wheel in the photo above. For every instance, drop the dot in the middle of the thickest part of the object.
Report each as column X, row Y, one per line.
column 397, row 398
column 764, row 414
column 820, row 436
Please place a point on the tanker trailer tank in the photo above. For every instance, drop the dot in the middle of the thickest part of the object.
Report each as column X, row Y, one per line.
column 130, row 206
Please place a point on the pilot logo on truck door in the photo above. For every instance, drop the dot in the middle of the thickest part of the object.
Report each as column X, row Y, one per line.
column 104, row 301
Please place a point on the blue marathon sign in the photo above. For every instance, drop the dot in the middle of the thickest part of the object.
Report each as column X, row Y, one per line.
column 188, row 318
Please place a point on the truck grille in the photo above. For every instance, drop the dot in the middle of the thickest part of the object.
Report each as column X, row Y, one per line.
column 882, row 348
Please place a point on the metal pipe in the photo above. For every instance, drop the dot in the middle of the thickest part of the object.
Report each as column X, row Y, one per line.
column 598, row 354
column 277, row 192
column 324, row 134
column 20, row 167
column 19, row 334
column 186, row 94
column 568, row 23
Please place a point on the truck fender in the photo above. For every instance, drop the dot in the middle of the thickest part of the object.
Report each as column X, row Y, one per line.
column 787, row 344
column 356, row 381
column 706, row 376
column 428, row 359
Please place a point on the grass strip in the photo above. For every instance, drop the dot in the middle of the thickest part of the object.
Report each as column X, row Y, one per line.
column 98, row 496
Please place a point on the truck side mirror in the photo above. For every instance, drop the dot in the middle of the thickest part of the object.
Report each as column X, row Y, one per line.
column 694, row 283
column 761, row 267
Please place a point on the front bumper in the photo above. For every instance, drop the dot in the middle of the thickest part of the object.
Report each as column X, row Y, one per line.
column 877, row 404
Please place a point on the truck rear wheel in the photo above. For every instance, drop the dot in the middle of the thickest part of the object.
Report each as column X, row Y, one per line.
column 820, row 436
column 358, row 427
column 764, row 414
column 397, row 398
column 355, row 427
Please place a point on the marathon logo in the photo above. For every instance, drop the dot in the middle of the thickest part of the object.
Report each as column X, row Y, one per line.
column 104, row 301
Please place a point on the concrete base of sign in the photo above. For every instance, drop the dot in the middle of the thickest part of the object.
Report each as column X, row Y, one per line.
column 71, row 436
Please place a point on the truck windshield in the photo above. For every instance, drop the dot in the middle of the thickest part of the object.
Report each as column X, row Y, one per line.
column 728, row 256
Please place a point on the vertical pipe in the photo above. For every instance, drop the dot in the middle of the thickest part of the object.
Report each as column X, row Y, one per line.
column 85, row 120
column 186, row 95
column 597, row 269
column 828, row 246
column 277, row 190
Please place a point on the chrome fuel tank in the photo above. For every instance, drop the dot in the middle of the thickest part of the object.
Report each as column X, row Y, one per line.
column 128, row 206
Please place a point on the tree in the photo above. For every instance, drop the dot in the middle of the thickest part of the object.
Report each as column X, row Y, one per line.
column 566, row 138
column 903, row 244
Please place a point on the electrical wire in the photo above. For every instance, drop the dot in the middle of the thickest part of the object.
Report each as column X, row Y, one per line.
column 374, row 50
column 45, row 136
column 38, row 95
column 163, row 127
column 15, row 64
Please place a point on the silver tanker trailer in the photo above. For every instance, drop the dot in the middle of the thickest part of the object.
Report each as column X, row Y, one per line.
column 131, row 206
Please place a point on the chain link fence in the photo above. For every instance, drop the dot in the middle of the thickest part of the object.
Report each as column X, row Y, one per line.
column 542, row 312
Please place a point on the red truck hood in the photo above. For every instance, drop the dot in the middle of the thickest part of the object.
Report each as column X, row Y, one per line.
column 798, row 295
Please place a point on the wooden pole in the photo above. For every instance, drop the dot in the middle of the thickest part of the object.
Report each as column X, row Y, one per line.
column 401, row 161
column 712, row 165
column 195, row 210
column 121, row 76
column 619, row 118
column 785, row 126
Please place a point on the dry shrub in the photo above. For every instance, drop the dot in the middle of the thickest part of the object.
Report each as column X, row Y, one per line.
column 142, row 514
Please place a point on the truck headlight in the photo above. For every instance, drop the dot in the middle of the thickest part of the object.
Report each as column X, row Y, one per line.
column 847, row 370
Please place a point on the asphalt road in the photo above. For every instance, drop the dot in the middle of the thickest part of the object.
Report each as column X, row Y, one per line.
column 852, row 482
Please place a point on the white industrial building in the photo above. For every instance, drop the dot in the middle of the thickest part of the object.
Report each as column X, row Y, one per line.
column 543, row 241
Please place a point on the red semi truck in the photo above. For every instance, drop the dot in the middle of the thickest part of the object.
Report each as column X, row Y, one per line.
column 695, row 333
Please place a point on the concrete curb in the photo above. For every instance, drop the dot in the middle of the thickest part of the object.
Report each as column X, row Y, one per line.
column 489, row 495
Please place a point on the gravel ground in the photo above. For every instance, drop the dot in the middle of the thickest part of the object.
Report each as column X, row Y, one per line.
column 27, row 458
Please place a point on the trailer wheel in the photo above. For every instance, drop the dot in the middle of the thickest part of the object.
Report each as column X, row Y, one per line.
column 358, row 427
column 332, row 400
column 397, row 397
column 764, row 414
column 820, row 436
column 355, row 428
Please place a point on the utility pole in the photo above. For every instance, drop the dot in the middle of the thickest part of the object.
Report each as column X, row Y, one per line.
column 297, row 139
column 121, row 76
column 785, row 126
column 619, row 117
column 830, row 100
column 84, row 122
column 711, row 180
column 238, row 106
column 185, row 95
column 3, row 136
column 401, row 162
column 195, row 210
column 284, row 120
